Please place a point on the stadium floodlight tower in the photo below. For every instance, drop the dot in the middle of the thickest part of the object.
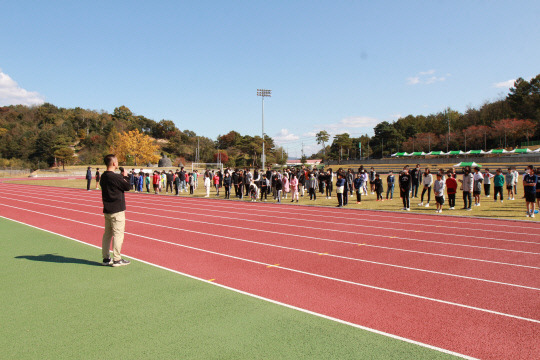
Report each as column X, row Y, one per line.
column 263, row 93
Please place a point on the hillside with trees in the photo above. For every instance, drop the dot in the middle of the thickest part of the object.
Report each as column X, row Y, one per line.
column 38, row 136
column 505, row 123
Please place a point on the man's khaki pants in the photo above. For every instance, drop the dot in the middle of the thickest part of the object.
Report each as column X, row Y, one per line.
column 114, row 228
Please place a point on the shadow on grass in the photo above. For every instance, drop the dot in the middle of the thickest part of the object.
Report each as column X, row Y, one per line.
column 58, row 259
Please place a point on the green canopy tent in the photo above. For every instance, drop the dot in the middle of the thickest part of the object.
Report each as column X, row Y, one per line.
column 520, row 151
column 417, row 153
column 400, row 154
column 455, row 152
column 537, row 150
column 436, row 153
column 496, row 151
column 467, row 163
column 475, row 152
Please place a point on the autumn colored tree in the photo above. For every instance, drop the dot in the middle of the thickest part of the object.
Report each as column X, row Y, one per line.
column 221, row 156
column 134, row 147
column 65, row 155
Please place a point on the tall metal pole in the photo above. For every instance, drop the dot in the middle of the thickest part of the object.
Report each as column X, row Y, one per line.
column 263, row 93
column 263, row 159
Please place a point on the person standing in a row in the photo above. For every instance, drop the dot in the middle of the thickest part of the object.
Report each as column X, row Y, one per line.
column 404, row 187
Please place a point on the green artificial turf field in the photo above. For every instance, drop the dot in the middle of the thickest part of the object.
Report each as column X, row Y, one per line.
column 58, row 302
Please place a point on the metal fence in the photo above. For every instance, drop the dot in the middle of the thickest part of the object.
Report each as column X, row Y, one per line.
column 6, row 172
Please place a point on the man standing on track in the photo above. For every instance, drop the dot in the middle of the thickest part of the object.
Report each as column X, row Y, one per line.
column 88, row 178
column 114, row 207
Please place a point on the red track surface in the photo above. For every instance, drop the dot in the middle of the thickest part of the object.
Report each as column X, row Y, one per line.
column 471, row 286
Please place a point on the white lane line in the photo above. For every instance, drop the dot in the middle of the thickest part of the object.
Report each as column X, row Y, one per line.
column 309, row 210
column 265, row 299
column 308, row 273
column 329, row 240
column 194, row 212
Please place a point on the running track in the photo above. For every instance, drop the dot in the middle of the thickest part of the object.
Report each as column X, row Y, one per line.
column 465, row 285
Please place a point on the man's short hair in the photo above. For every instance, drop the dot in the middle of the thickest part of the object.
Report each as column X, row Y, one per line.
column 109, row 159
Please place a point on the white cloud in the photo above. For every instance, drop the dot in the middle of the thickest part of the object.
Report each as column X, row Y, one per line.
column 413, row 80
column 505, row 84
column 353, row 122
column 426, row 77
column 12, row 94
column 284, row 135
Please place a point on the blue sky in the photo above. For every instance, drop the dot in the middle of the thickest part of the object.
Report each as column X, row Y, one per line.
column 341, row 66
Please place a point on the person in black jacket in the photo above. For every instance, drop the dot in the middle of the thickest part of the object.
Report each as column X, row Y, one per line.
column 227, row 185
column 404, row 187
column 88, row 178
column 114, row 207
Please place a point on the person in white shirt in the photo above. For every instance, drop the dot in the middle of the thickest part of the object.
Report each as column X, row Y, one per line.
column 427, row 182
column 478, row 179
column 438, row 191
column 207, row 184
column 487, row 182
column 515, row 173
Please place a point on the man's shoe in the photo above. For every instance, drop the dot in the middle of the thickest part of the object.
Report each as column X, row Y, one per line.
column 106, row 262
column 120, row 262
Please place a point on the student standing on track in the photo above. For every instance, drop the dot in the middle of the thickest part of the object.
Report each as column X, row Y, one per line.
column 416, row 175
column 498, row 183
column 515, row 174
column 438, row 191
column 98, row 176
column 487, row 182
column 390, row 182
column 147, row 182
column 467, row 186
column 378, row 187
column 529, row 187
column 227, row 185
column 509, row 179
column 329, row 183
column 477, row 185
column 451, row 189
column 427, row 182
column 88, row 178
column 538, row 187
column 358, row 183
column 340, row 188
column 155, row 182
column 113, row 187
column 404, row 187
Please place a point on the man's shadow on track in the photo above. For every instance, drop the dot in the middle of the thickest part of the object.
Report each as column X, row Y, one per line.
column 58, row 259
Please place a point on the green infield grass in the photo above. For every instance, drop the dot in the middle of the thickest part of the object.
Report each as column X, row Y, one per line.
column 509, row 209
column 58, row 302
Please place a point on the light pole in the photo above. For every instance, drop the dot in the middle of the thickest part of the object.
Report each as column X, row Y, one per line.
column 263, row 93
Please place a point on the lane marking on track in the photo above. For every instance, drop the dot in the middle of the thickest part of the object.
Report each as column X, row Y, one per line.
column 375, row 331
column 212, row 208
column 322, row 229
column 310, row 274
column 323, row 253
column 271, row 266
column 211, row 280
column 313, row 252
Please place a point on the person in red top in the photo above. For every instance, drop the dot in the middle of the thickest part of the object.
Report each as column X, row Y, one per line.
column 156, row 179
column 451, row 189
column 216, row 183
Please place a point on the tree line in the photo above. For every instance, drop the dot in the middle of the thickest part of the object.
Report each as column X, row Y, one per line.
column 37, row 136
column 504, row 123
